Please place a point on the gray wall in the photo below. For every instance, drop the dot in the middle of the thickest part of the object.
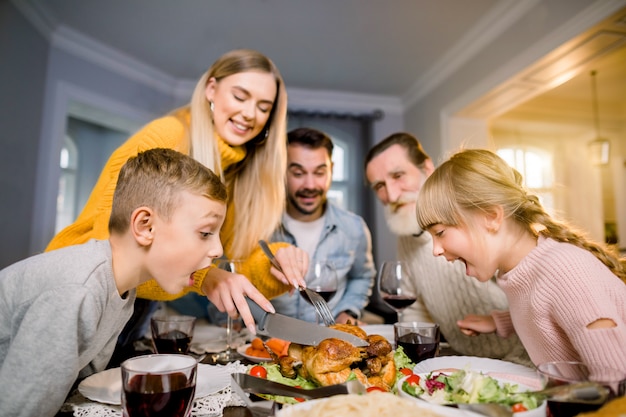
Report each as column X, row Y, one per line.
column 23, row 65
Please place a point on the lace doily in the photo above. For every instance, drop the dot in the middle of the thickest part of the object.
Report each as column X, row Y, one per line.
column 211, row 405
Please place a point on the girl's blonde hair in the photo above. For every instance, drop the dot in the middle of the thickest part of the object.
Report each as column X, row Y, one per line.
column 478, row 179
column 256, row 184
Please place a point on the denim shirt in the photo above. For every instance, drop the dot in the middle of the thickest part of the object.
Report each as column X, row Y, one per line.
column 346, row 243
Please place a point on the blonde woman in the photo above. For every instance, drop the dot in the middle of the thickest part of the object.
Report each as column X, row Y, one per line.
column 235, row 124
column 567, row 300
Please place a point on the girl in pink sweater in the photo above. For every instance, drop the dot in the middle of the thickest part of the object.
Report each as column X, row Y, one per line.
column 567, row 296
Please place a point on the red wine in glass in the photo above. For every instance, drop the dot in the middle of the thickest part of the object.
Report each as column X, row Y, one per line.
column 326, row 293
column 166, row 404
column 394, row 287
column 173, row 341
column 145, row 397
column 417, row 348
column 321, row 278
column 399, row 302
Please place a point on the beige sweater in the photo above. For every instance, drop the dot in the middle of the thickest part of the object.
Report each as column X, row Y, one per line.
column 446, row 294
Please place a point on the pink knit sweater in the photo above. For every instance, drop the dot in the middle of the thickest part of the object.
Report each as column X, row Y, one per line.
column 554, row 293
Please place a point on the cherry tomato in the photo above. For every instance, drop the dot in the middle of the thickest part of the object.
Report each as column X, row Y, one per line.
column 258, row 371
column 413, row 380
column 406, row 371
column 519, row 407
column 373, row 388
column 299, row 399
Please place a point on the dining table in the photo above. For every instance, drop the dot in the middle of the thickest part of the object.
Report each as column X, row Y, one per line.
column 223, row 402
column 208, row 340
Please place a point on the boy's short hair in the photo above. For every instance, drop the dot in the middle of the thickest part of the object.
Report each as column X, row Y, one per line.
column 155, row 178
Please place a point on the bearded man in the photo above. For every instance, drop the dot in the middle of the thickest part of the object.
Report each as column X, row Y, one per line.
column 396, row 168
column 324, row 230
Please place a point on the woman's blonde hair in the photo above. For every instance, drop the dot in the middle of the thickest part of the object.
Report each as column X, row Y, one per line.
column 478, row 179
column 256, row 184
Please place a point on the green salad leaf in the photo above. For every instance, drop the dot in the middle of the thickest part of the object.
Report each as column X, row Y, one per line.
column 469, row 387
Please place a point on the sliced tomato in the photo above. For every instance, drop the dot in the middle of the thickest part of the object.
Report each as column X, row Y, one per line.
column 258, row 371
column 518, row 408
column 406, row 371
column 373, row 388
column 413, row 380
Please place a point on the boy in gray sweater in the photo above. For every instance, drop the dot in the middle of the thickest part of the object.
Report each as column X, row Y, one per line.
column 62, row 311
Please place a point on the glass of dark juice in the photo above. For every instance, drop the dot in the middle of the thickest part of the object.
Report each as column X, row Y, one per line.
column 158, row 385
column 570, row 372
column 419, row 340
column 172, row 334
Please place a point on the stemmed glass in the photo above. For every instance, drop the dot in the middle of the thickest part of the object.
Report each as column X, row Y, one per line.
column 321, row 278
column 393, row 286
column 230, row 354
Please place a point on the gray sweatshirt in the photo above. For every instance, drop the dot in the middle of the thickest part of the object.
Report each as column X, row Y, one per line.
column 60, row 316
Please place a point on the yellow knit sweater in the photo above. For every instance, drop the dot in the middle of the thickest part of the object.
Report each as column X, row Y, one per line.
column 93, row 222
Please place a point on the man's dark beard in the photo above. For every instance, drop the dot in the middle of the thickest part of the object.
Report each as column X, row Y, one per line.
column 308, row 193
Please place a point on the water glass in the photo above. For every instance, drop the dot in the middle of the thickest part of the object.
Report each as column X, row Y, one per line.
column 158, row 385
column 230, row 354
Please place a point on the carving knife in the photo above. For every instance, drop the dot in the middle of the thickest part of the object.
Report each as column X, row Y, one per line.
column 297, row 331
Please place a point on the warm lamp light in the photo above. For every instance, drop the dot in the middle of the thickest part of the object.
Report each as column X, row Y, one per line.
column 599, row 151
column 599, row 148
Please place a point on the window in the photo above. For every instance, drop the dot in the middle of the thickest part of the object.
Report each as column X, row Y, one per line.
column 349, row 137
column 535, row 165
column 66, row 199
column 338, row 192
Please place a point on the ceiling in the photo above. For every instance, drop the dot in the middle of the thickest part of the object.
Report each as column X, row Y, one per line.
column 354, row 46
column 361, row 46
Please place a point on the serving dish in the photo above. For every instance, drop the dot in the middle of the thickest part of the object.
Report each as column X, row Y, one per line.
column 414, row 408
column 384, row 330
column 256, row 359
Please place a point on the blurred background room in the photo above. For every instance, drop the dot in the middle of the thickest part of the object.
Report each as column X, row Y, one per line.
column 543, row 82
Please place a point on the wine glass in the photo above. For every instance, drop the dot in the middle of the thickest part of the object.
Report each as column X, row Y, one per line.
column 393, row 286
column 230, row 354
column 321, row 278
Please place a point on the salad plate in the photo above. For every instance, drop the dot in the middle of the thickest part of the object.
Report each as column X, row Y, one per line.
column 471, row 386
column 106, row 386
column 493, row 367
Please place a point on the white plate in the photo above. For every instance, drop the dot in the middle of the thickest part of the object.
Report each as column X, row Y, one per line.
column 384, row 330
column 513, row 372
column 208, row 339
column 296, row 410
column 256, row 359
column 208, row 333
column 537, row 412
column 106, row 386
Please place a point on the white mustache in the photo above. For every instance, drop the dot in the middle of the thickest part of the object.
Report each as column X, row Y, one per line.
column 405, row 198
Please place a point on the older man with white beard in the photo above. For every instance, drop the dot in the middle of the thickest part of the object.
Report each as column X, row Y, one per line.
column 396, row 168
